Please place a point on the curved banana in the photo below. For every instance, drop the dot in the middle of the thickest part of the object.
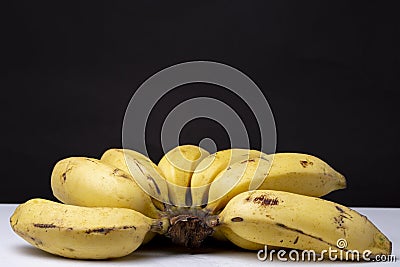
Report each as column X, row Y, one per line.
column 178, row 166
column 302, row 174
column 301, row 222
column 123, row 158
column 211, row 166
column 80, row 232
column 117, row 157
column 237, row 179
column 149, row 178
column 92, row 183
column 291, row 172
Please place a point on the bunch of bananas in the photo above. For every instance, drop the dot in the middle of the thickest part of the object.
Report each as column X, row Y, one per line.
column 113, row 205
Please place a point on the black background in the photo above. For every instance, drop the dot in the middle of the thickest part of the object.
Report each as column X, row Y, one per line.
column 329, row 69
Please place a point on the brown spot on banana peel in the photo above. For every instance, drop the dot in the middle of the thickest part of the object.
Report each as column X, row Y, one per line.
column 237, row 219
column 64, row 174
column 339, row 220
column 295, row 241
column 44, row 225
column 128, row 227
column 340, row 223
column 339, row 209
column 37, row 241
column 248, row 160
column 121, row 173
column 106, row 230
column 151, row 179
column 140, row 168
column 265, row 201
column 344, row 212
column 125, row 176
column 101, row 230
column 91, row 160
column 302, row 233
column 306, row 163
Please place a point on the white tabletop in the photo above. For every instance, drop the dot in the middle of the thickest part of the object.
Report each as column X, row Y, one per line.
column 14, row 251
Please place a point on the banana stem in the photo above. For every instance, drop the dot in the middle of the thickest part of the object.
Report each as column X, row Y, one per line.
column 187, row 227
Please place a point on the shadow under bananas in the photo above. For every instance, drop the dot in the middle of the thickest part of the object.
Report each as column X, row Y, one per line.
column 162, row 247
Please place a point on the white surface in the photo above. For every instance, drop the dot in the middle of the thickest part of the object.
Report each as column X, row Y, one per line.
column 14, row 251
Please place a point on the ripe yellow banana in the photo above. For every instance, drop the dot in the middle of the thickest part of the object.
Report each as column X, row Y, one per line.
column 80, row 232
column 178, row 166
column 290, row 172
column 92, row 183
column 301, row 222
column 211, row 166
column 236, row 179
column 148, row 178
column 302, row 174
column 123, row 158
column 117, row 157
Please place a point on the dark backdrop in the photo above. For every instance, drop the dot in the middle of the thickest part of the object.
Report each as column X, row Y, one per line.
column 329, row 69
